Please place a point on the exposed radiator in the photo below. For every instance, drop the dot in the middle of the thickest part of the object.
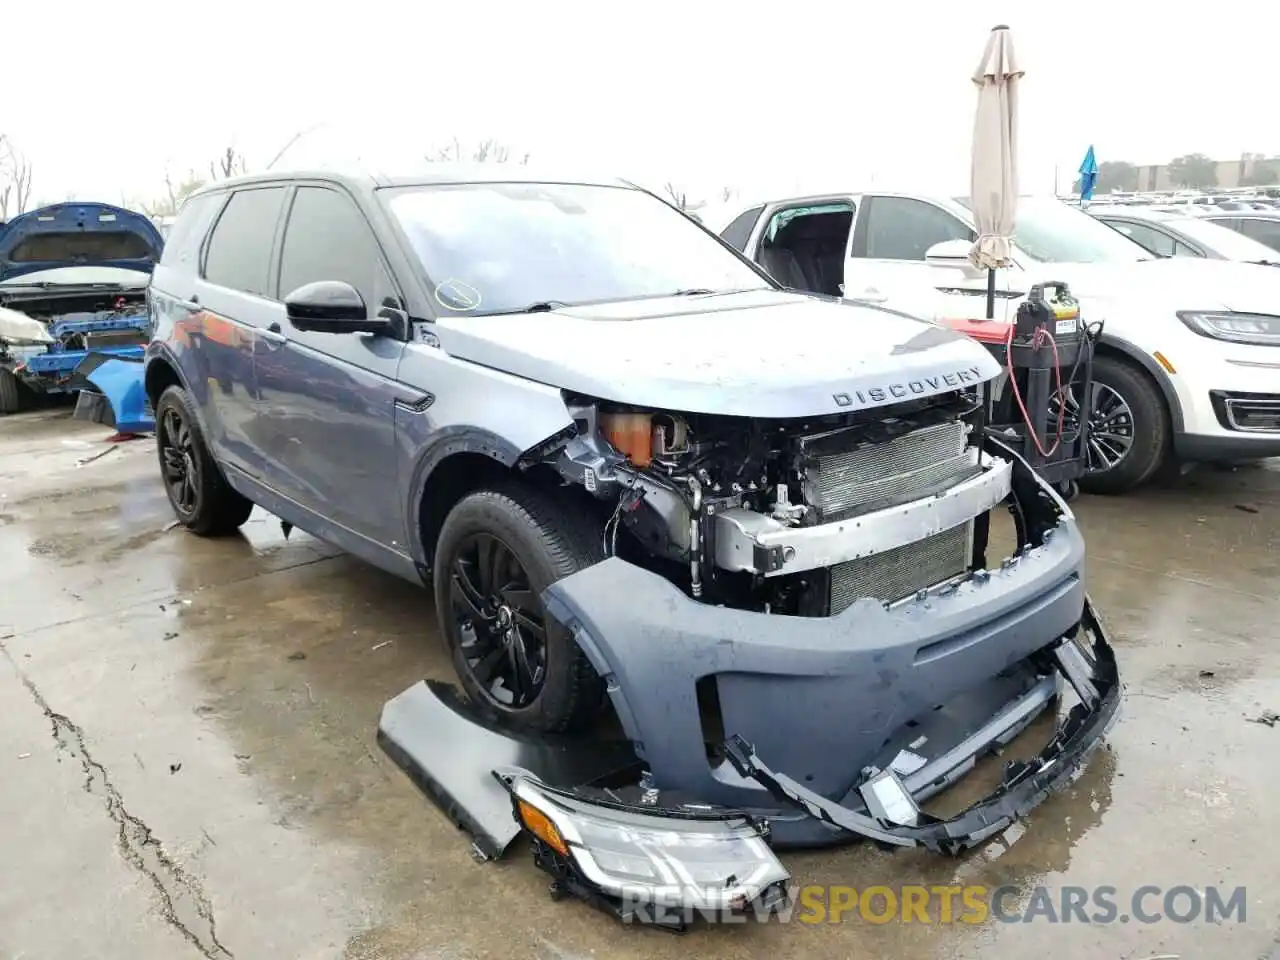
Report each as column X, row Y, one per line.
column 876, row 476
column 902, row 571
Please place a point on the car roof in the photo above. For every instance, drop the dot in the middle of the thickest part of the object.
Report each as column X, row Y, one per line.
column 1247, row 214
column 431, row 174
column 1139, row 213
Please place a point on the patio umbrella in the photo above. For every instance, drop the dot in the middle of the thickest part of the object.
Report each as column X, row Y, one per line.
column 1088, row 176
column 994, row 176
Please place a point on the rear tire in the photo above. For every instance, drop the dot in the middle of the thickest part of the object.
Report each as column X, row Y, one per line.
column 10, row 395
column 534, row 675
column 1151, row 430
column 198, row 492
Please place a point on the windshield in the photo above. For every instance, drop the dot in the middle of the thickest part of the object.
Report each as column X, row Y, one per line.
column 502, row 247
column 1226, row 242
column 1051, row 231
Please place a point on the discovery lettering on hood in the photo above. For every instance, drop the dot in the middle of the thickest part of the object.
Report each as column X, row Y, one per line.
column 925, row 386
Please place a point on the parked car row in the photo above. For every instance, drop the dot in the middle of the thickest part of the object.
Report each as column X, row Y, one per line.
column 1166, row 233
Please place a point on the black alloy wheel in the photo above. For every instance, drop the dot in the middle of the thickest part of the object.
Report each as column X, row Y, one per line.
column 500, row 622
column 179, row 463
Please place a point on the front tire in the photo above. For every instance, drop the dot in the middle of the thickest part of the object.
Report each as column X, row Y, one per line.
column 198, row 492
column 1129, row 429
column 498, row 550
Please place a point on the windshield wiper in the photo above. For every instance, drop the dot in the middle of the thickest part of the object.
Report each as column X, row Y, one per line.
column 542, row 306
column 53, row 284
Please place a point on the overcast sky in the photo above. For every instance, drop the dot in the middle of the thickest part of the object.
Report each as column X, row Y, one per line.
column 761, row 97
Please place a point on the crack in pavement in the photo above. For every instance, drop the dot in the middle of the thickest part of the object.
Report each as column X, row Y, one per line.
column 183, row 903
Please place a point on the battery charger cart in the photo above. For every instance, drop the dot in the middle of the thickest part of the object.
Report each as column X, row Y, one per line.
column 1037, row 405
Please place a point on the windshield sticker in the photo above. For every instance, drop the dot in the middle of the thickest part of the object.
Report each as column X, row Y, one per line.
column 456, row 295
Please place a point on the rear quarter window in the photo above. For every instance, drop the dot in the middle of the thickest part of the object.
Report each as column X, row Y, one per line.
column 238, row 255
column 182, row 245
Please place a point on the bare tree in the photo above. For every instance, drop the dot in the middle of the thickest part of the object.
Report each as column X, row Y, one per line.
column 678, row 197
column 727, row 194
column 230, row 163
column 680, row 200
column 486, row 151
column 167, row 203
column 15, row 177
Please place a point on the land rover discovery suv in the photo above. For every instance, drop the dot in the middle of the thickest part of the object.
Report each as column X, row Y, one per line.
column 633, row 470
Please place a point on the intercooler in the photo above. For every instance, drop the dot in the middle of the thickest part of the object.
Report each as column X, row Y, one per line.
column 846, row 483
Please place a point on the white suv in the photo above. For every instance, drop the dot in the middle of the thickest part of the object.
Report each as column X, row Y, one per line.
column 1189, row 364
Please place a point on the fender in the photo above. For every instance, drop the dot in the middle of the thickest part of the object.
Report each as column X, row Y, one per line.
column 1144, row 360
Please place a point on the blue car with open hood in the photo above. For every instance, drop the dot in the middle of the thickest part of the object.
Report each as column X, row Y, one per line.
column 73, row 282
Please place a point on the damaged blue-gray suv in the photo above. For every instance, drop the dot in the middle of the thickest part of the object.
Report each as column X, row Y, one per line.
column 722, row 567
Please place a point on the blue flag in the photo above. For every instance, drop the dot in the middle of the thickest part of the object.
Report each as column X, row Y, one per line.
column 1088, row 175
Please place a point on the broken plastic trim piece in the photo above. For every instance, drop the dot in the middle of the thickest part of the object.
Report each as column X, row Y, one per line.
column 656, row 868
column 900, row 823
column 437, row 736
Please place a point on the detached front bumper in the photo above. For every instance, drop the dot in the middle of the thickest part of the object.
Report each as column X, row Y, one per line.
column 607, row 836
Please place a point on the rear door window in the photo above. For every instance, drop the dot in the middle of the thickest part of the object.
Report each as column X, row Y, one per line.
column 1155, row 241
column 903, row 228
column 239, row 252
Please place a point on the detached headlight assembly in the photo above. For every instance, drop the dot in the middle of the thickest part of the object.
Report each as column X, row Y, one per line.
column 639, row 861
column 1258, row 329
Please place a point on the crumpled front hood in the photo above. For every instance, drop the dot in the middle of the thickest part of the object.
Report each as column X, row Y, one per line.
column 1178, row 283
column 760, row 353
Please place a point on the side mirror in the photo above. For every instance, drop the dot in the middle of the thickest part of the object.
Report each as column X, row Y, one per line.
column 332, row 306
column 953, row 254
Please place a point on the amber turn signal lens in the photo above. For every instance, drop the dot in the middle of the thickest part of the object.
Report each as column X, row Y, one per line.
column 537, row 823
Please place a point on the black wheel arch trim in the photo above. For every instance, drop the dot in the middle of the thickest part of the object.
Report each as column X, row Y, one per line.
column 449, row 442
column 1156, row 372
column 159, row 353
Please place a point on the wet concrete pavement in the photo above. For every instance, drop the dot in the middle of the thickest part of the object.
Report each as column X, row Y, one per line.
column 189, row 766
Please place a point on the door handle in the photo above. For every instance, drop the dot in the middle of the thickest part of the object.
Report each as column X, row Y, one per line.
column 272, row 336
